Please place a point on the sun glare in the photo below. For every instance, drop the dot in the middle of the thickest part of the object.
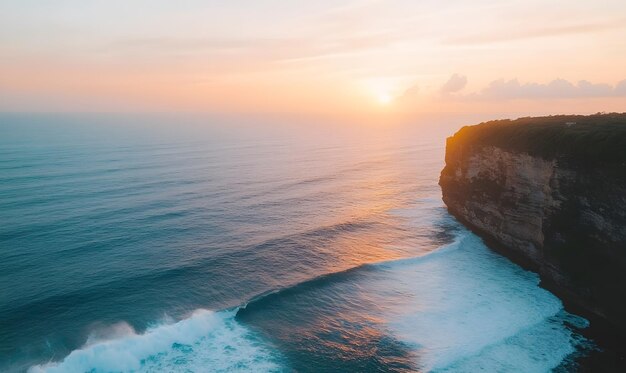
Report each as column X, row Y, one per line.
column 384, row 98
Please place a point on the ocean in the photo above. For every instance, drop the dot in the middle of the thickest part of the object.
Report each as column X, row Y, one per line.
column 160, row 243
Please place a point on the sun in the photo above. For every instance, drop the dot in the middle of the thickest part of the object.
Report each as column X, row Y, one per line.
column 384, row 98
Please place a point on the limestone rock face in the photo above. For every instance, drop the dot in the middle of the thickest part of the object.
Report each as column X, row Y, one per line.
column 561, row 219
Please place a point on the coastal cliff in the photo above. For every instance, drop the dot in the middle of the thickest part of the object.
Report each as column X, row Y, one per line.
column 550, row 193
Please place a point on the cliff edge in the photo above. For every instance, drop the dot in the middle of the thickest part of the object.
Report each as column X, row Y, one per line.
column 550, row 193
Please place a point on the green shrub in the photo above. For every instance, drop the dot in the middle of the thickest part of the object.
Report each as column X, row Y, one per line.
column 593, row 139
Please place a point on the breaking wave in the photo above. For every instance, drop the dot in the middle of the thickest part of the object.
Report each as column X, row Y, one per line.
column 206, row 341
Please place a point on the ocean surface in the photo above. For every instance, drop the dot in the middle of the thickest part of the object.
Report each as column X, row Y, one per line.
column 148, row 244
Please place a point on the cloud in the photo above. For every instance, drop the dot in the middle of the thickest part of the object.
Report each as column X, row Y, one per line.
column 411, row 92
column 454, row 84
column 558, row 88
column 511, row 34
column 620, row 88
column 287, row 49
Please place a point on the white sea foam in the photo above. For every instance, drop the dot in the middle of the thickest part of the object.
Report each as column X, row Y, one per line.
column 468, row 309
column 207, row 341
column 463, row 307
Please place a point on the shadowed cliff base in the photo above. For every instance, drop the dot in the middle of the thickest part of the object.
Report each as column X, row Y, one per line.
column 550, row 193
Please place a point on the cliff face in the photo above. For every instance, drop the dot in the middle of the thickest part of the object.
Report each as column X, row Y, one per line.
column 560, row 215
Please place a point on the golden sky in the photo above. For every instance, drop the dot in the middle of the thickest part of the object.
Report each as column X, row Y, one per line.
column 325, row 57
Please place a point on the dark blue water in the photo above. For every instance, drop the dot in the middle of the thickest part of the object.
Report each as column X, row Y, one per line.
column 132, row 243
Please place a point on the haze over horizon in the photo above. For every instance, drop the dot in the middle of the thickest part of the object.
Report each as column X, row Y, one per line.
column 330, row 58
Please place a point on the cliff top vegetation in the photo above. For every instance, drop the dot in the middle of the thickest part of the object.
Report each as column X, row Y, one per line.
column 590, row 139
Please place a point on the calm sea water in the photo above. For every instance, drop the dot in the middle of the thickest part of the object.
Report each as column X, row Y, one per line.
column 150, row 244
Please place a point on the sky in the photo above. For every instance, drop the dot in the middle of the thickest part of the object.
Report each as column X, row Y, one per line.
column 368, row 58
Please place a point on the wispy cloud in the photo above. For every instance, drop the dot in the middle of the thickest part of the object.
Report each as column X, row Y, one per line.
column 288, row 49
column 513, row 33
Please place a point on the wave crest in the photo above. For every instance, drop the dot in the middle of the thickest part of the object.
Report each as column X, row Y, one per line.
column 207, row 340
